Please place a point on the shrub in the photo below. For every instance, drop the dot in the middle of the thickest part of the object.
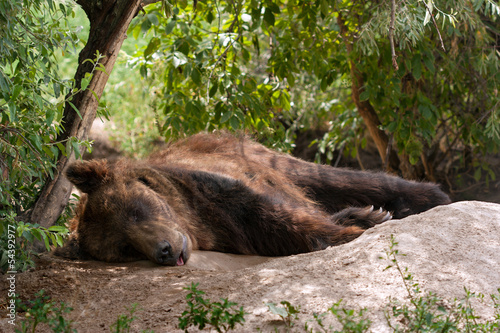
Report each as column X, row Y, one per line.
column 222, row 316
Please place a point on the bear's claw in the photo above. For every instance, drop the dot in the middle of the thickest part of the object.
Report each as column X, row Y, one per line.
column 362, row 217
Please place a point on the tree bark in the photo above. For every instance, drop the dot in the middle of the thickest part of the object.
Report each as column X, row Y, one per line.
column 365, row 109
column 109, row 21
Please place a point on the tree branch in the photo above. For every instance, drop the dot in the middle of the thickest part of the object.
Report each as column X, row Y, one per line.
column 365, row 108
column 391, row 34
column 148, row 2
column 435, row 24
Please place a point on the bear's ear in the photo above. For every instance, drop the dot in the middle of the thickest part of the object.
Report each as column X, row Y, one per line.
column 71, row 250
column 88, row 175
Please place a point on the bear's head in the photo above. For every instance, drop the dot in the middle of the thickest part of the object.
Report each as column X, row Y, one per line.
column 128, row 212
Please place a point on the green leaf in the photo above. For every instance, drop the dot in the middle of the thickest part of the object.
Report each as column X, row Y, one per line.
column 427, row 17
column 425, row 111
column 12, row 112
column 429, row 64
column 213, row 89
column 189, row 108
column 234, row 122
column 4, row 86
column 45, row 240
column 269, row 17
column 62, row 148
column 225, row 116
column 76, row 149
column 136, row 32
column 477, row 174
column 153, row 19
column 290, row 79
column 325, row 8
column 417, row 67
column 364, row 95
column 145, row 26
column 170, row 26
column 75, row 108
column 209, row 17
column 179, row 59
column 49, row 117
column 277, row 310
column 152, row 47
column 196, row 76
column 59, row 240
column 16, row 91
column 86, row 81
column 392, row 126
column 143, row 70
column 58, row 228
column 57, row 89
column 285, row 100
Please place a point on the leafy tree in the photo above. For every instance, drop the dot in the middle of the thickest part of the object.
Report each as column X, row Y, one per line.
column 421, row 75
column 44, row 119
column 31, row 103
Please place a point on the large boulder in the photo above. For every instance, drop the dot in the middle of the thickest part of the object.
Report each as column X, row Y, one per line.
column 446, row 249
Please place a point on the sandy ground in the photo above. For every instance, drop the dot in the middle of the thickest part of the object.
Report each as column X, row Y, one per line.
column 447, row 248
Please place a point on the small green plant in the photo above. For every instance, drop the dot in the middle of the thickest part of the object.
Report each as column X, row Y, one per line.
column 16, row 238
column 43, row 310
column 352, row 321
column 122, row 324
column 124, row 321
column 429, row 312
column 221, row 316
column 287, row 312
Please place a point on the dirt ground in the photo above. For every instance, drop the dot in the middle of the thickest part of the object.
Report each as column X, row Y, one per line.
column 446, row 249
column 99, row 292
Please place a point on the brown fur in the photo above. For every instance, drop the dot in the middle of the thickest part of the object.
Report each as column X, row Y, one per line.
column 225, row 193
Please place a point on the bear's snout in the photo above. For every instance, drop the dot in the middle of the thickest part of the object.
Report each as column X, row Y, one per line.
column 164, row 254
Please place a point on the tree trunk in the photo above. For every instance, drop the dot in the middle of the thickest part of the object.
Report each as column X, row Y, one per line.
column 365, row 109
column 109, row 21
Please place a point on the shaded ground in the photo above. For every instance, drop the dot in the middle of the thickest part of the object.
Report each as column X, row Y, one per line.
column 446, row 248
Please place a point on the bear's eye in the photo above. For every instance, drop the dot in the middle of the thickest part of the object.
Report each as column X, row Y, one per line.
column 145, row 181
column 138, row 214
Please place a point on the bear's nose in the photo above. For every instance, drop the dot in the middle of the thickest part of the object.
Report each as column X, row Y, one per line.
column 164, row 252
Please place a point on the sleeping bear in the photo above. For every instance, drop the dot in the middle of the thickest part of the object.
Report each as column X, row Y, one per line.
column 227, row 193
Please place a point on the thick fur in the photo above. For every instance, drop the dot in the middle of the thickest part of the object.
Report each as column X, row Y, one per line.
column 224, row 193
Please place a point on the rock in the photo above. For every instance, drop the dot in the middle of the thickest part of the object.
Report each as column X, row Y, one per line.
column 446, row 249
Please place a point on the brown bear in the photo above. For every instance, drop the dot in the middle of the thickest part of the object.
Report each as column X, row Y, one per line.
column 230, row 194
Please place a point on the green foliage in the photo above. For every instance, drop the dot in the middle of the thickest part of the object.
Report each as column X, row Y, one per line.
column 350, row 320
column 44, row 311
column 124, row 321
column 128, row 102
column 437, row 101
column 19, row 256
column 122, row 324
column 287, row 312
column 221, row 316
column 274, row 68
column 32, row 98
column 429, row 312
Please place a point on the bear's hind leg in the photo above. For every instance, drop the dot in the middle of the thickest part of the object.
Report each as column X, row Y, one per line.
column 365, row 217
